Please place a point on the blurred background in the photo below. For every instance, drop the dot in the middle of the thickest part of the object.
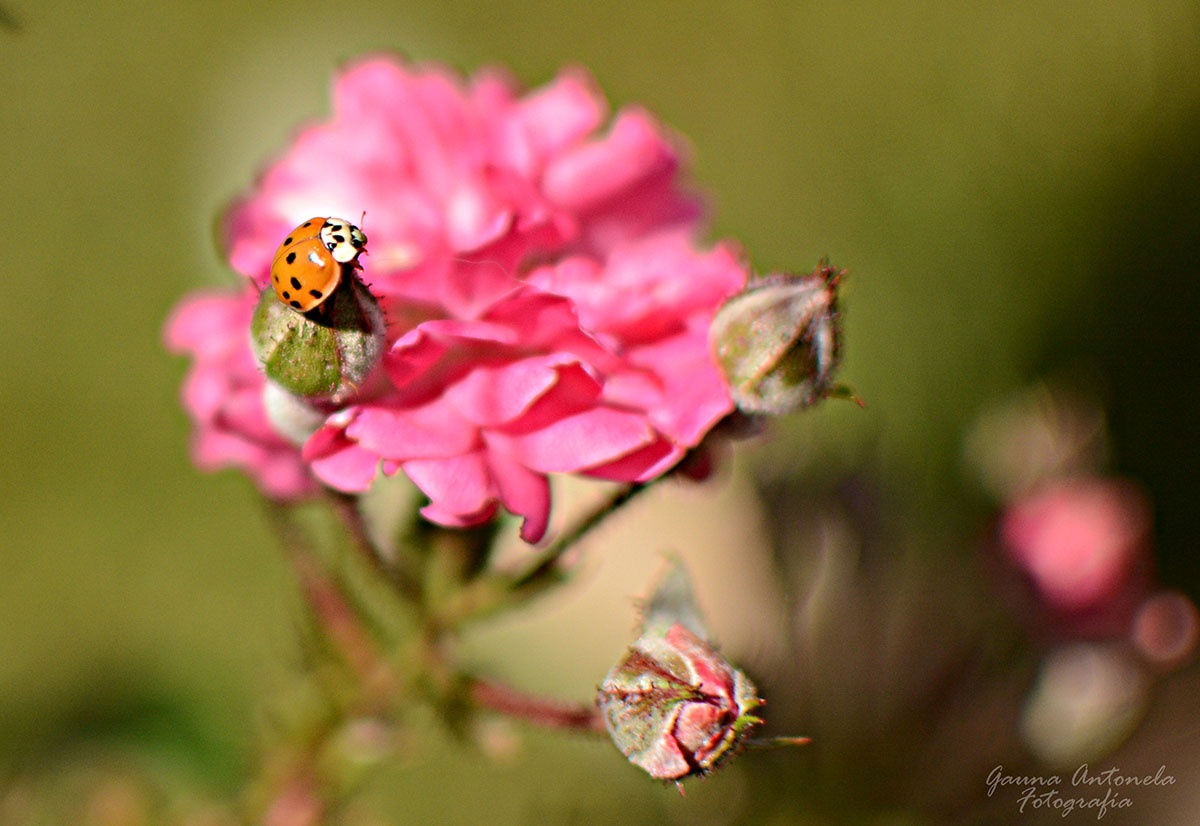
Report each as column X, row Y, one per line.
column 1015, row 189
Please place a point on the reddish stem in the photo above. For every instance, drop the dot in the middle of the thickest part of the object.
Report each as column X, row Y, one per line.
column 337, row 619
column 539, row 711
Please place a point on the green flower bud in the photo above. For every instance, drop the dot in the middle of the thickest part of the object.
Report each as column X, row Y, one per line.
column 778, row 342
column 326, row 354
column 673, row 705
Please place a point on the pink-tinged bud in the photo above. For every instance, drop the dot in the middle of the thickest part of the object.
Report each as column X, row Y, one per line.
column 778, row 342
column 673, row 705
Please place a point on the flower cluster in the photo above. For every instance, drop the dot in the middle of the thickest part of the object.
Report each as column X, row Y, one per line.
column 547, row 304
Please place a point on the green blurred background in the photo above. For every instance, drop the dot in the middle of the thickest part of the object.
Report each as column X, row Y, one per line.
column 1015, row 188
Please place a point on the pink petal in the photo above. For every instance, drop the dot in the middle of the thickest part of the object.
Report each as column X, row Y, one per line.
column 688, row 394
column 584, row 440
column 429, row 431
column 344, row 465
column 423, row 110
column 414, row 354
column 439, row 351
column 243, row 412
column 469, row 287
column 474, row 218
column 213, row 449
column 283, row 476
column 557, row 115
column 204, row 391
column 522, row 491
column 434, row 512
column 646, row 289
column 206, row 317
column 642, row 465
column 596, row 172
column 541, row 320
column 492, row 396
column 459, row 485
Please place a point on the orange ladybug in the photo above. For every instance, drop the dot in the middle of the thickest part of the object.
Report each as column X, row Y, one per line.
column 311, row 261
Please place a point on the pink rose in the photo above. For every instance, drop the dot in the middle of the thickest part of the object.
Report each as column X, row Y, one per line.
column 547, row 306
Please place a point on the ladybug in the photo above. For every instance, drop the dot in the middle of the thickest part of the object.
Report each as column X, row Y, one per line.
column 311, row 261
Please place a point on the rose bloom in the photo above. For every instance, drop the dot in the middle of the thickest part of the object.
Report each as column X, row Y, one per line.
column 547, row 304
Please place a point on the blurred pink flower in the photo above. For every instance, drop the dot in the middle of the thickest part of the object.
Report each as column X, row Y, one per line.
column 1085, row 544
column 547, row 306
column 223, row 394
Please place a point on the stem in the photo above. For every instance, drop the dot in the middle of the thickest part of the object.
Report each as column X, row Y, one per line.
column 511, row 702
column 488, row 594
column 334, row 614
column 347, row 509
column 576, row 532
column 338, row 620
column 302, row 791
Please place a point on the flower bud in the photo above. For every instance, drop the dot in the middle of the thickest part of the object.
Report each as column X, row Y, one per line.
column 325, row 354
column 778, row 342
column 672, row 705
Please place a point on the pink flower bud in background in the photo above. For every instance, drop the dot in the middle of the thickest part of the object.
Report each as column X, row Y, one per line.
column 1084, row 545
column 1166, row 630
column 673, row 705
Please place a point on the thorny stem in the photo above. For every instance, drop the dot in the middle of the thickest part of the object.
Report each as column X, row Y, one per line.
column 539, row 711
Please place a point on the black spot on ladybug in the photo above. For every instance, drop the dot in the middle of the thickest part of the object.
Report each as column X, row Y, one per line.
column 295, row 304
column 275, row 278
column 341, row 239
column 286, row 294
column 287, row 242
column 291, row 258
column 315, row 293
column 295, row 283
column 308, row 223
